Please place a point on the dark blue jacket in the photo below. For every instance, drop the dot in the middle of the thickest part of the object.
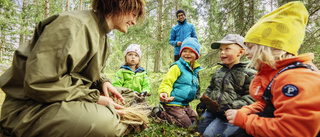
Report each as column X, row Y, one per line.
column 180, row 32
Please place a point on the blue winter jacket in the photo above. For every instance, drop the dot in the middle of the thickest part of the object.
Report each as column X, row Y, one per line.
column 180, row 32
column 185, row 87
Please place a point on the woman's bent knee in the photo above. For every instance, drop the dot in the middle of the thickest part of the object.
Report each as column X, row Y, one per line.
column 79, row 119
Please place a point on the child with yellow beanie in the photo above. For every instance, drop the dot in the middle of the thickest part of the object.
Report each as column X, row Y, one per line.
column 286, row 86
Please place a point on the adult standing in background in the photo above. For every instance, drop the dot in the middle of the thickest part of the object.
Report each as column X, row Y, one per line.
column 56, row 85
column 180, row 32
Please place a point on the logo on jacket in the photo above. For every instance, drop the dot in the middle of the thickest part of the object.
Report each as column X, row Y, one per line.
column 290, row 90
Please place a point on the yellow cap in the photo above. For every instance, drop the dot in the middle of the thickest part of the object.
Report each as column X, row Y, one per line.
column 283, row 28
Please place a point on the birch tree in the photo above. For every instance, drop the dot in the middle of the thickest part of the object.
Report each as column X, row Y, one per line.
column 47, row 8
column 67, row 5
column 80, row 5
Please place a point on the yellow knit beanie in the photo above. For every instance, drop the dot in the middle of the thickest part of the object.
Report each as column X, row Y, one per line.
column 283, row 28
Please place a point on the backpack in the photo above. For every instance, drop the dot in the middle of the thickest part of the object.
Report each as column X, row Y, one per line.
column 269, row 109
column 267, row 96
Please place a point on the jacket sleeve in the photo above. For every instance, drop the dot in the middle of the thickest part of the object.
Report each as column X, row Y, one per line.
column 50, row 68
column 118, row 79
column 245, row 98
column 146, row 84
column 253, row 108
column 172, row 39
column 168, row 81
column 194, row 33
column 295, row 115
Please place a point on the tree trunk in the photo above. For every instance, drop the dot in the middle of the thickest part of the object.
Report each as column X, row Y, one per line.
column 271, row 5
column 80, row 5
column 282, row 2
column 1, row 43
column 157, row 59
column 3, row 49
column 47, row 8
column 147, row 57
column 251, row 13
column 240, row 19
column 23, row 18
column 176, row 4
column 1, row 54
column 67, row 5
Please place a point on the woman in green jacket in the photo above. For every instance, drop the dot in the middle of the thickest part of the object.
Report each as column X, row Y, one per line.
column 56, row 85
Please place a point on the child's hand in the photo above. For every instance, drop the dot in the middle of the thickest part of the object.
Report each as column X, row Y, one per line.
column 231, row 114
column 165, row 99
column 163, row 96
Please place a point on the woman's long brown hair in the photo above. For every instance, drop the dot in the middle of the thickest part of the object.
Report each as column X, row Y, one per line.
column 115, row 8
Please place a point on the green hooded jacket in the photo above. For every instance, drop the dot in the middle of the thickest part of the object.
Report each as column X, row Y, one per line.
column 136, row 81
column 64, row 62
column 230, row 87
column 59, row 66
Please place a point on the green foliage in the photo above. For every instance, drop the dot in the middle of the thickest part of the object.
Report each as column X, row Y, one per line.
column 212, row 19
column 7, row 23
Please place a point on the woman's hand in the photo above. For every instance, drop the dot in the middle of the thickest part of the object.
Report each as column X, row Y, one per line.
column 231, row 114
column 108, row 87
column 103, row 100
column 106, row 100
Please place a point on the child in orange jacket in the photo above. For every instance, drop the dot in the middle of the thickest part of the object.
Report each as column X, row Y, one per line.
column 286, row 86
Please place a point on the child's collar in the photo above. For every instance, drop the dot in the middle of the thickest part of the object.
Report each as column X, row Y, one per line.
column 128, row 68
column 194, row 65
